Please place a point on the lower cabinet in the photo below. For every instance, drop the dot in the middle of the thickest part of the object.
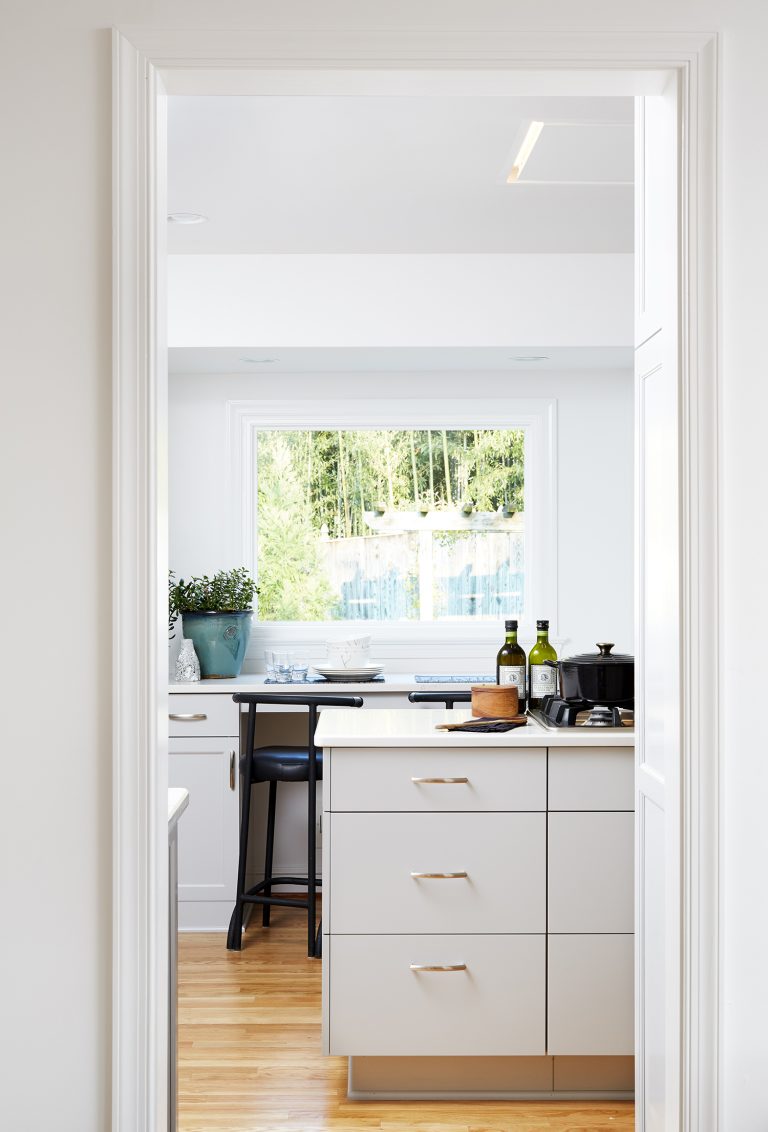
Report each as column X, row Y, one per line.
column 208, row 836
column 415, row 995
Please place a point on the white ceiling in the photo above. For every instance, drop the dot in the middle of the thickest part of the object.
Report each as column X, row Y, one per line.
column 264, row 362
column 399, row 174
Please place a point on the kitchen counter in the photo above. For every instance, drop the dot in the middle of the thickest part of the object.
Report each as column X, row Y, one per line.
column 178, row 800
column 404, row 727
column 402, row 682
column 477, row 907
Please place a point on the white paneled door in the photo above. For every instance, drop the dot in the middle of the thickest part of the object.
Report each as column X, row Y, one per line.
column 658, row 589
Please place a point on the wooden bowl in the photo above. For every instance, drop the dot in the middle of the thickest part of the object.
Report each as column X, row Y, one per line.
column 495, row 701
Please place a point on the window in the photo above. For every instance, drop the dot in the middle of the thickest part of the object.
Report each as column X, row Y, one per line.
column 390, row 524
column 409, row 516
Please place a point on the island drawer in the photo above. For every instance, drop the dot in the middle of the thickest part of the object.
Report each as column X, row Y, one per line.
column 488, row 873
column 591, row 778
column 492, row 1004
column 202, row 713
column 438, row 779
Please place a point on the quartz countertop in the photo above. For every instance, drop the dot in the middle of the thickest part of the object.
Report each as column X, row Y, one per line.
column 256, row 682
column 178, row 800
column 404, row 727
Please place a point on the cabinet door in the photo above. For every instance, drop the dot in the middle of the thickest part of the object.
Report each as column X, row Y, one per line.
column 591, row 778
column 591, row 872
column 590, row 995
column 208, row 836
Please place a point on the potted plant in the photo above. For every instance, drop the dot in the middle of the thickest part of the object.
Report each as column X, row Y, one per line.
column 216, row 616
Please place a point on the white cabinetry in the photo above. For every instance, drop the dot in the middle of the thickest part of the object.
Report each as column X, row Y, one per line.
column 203, row 758
column 479, row 904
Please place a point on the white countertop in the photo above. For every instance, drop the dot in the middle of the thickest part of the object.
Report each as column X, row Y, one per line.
column 404, row 727
column 178, row 800
column 256, row 682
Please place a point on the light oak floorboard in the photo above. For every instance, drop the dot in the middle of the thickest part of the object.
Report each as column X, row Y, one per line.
column 250, row 1061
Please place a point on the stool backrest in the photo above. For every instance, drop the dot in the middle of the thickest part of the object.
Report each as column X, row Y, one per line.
column 447, row 698
column 310, row 701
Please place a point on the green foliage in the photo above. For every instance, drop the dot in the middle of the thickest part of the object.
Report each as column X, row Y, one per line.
column 343, row 474
column 292, row 583
column 228, row 591
column 317, row 484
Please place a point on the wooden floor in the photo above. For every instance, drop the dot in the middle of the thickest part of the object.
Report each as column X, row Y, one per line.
column 249, row 1053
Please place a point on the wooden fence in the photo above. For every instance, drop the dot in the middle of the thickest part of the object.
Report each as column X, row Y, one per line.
column 410, row 575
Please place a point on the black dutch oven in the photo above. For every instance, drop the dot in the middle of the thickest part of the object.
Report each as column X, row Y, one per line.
column 598, row 678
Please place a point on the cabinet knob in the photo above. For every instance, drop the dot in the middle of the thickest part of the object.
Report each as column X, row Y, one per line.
column 190, row 717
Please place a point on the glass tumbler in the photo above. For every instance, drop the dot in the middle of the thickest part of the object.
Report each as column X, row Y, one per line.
column 283, row 662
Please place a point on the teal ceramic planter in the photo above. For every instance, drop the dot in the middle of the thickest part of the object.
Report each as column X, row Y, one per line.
column 220, row 641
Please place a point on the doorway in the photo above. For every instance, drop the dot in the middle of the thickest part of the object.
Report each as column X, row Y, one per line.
column 141, row 804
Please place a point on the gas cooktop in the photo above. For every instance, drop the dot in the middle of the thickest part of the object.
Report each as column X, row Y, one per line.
column 556, row 713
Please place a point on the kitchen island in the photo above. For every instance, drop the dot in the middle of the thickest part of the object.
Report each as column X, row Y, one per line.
column 478, row 907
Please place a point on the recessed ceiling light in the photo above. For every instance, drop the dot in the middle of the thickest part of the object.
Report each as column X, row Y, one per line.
column 525, row 151
column 529, row 358
column 186, row 218
column 259, row 361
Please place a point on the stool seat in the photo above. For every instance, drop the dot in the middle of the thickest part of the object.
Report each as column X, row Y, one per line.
column 282, row 764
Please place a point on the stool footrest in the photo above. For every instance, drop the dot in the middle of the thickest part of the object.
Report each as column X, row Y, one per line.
column 262, row 884
column 278, row 900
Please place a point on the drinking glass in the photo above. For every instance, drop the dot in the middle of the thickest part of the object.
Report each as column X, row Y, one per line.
column 300, row 668
column 283, row 662
column 269, row 664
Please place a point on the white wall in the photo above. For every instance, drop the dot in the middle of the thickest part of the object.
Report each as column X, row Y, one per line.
column 55, row 466
column 594, row 480
column 399, row 300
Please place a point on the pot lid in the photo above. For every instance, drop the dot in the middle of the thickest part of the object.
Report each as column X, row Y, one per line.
column 603, row 656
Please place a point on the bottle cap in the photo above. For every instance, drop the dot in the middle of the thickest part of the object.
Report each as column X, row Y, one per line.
column 542, row 624
column 509, row 625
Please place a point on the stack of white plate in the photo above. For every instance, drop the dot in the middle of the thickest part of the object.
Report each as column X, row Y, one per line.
column 349, row 675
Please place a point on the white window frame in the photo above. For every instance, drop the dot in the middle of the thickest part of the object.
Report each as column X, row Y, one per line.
column 537, row 417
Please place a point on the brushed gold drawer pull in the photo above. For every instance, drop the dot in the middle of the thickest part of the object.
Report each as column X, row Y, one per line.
column 191, row 717
column 440, row 876
column 446, row 781
column 438, row 966
column 231, row 770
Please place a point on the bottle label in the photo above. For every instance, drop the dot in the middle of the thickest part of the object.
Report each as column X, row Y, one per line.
column 513, row 674
column 543, row 681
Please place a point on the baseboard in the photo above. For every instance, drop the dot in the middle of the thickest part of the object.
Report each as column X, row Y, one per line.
column 491, row 1078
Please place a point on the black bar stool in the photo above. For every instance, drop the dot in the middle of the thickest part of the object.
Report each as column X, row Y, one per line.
column 447, row 698
column 273, row 765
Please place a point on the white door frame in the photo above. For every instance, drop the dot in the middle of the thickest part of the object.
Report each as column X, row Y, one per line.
column 143, row 59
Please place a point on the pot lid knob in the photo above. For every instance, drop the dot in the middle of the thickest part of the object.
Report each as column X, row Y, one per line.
column 605, row 647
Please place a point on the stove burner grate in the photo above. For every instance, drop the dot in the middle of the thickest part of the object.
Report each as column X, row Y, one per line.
column 557, row 712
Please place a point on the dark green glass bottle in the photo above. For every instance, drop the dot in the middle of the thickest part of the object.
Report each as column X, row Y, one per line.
column 510, row 663
column 542, row 678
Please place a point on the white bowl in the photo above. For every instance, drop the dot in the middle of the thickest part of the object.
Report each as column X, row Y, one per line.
column 348, row 654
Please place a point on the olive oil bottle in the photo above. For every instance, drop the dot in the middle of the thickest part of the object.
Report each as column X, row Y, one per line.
column 510, row 663
column 542, row 678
